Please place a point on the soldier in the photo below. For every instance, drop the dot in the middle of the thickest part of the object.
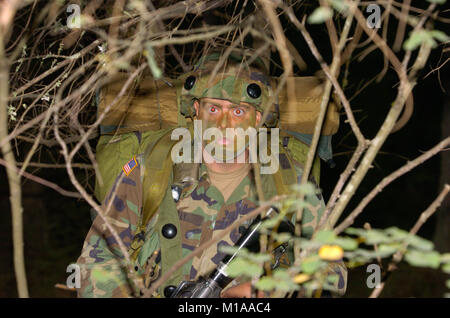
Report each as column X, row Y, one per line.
column 163, row 211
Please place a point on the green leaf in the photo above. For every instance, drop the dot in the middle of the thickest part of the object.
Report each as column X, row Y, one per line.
column 437, row 1
column 446, row 268
column 258, row 258
column 366, row 254
column 339, row 6
column 245, row 254
column 439, row 35
column 356, row 262
column 241, row 266
column 282, row 237
column 285, row 282
column 296, row 205
column 266, row 283
column 320, row 15
column 396, row 233
column 376, row 237
column 346, row 243
column 306, row 189
column 307, row 244
column 419, row 243
column 281, row 273
column 387, row 250
column 447, row 283
column 311, row 265
column 355, row 231
column 233, row 249
column 359, row 257
column 325, row 237
column 423, row 259
column 416, row 39
column 332, row 278
column 271, row 222
column 279, row 281
column 445, row 258
column 286, row 286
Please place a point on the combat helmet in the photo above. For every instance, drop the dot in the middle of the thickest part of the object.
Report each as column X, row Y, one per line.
column 239, row 79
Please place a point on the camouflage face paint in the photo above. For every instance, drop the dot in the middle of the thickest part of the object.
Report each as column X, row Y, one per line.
column 231, row 120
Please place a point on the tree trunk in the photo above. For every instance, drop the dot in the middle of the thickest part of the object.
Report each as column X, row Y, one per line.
column 442, row 232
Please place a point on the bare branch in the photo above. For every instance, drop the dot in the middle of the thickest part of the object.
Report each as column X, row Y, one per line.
column 388, row 180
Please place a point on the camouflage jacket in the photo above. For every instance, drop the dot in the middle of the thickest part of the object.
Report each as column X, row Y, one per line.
column 203, row 214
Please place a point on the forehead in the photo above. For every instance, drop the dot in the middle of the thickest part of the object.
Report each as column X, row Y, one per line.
column 224, row 103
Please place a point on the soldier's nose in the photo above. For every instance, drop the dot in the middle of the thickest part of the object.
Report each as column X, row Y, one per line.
column 224, row 121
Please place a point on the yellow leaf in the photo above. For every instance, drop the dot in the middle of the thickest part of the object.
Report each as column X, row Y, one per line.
column 301, row 278
column 331, row 252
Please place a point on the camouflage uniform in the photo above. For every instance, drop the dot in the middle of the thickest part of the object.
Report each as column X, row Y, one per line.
column 203, row 214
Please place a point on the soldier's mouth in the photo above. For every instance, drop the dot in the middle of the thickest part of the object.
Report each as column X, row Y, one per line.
column 224, row 141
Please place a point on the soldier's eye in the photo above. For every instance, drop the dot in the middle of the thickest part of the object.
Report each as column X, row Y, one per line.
column 212, row 109
column 238, row 112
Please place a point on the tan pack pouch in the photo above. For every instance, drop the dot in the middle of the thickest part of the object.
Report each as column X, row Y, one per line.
column 147, row 104
column 301, row 113
column 154, row 104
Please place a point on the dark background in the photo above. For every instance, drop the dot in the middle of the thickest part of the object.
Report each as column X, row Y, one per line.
column 55, row 226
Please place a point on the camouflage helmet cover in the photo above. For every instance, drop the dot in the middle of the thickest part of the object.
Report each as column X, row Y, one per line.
column 234, row 81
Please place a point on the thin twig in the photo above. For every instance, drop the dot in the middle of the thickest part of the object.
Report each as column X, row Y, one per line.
column 44, row 182
column 388, row 180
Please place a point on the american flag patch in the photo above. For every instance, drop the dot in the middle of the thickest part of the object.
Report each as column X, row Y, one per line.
column 130, row 165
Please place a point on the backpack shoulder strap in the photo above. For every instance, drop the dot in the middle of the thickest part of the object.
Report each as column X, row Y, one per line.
column 157, row 175
column 156, row 179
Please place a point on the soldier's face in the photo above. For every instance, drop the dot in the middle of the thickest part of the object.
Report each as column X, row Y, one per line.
column 223, row 114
